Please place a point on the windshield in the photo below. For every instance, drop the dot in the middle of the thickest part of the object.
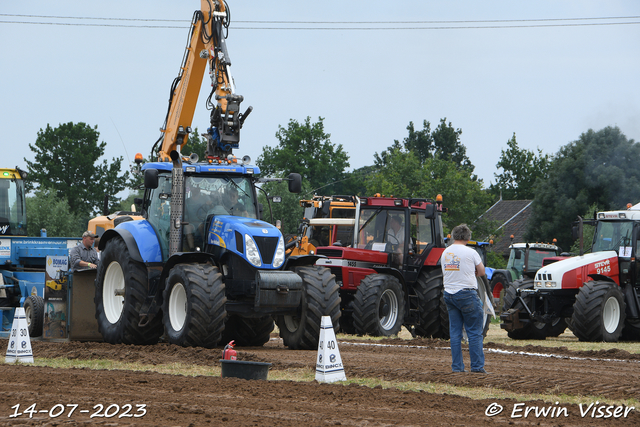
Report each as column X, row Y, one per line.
column 13, row 221
column 378, row 226
column 219, row 195
column 203, row 196
column 612, row 235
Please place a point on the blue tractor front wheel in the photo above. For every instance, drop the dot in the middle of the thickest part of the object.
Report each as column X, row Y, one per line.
column 194, row 305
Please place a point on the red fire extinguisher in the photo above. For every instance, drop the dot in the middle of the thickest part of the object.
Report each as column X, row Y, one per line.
column 229, row 353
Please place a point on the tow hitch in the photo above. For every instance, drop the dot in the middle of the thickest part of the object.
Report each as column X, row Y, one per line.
column 510, row 319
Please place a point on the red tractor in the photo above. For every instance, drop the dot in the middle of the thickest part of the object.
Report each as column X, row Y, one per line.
column 390, row 275
column 595, row 294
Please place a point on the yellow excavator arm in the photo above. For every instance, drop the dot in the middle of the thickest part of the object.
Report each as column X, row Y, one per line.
column 206, row 45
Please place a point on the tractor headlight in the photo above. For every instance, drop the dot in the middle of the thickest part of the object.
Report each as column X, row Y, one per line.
column 278, row 259
column 253, row 255
column 537, row 284
column 550, row 284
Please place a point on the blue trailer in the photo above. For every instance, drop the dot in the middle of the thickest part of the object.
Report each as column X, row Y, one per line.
column 22, row 258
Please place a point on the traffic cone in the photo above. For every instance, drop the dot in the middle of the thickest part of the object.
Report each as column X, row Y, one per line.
column 329, row 363
column 19, row 348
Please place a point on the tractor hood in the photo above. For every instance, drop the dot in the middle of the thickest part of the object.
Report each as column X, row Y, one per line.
column 259, row 242
column 571, row 273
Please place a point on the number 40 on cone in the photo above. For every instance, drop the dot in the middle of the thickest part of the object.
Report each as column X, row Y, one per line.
column 329, row 363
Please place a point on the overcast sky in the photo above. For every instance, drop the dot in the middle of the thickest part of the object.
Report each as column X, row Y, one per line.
column 539, row 71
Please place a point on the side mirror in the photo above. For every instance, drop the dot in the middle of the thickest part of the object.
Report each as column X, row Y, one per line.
column 430, row 211
column 295, row 183
column 151, row 178
column 518, row 255
column 575, row 232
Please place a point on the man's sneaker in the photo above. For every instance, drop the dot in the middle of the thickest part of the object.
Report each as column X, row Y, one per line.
column 480, row 371
column 457, row 372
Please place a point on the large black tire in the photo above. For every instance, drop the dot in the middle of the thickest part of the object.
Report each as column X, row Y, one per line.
column 34, row 312
column 247, row 331
column 346, row 324
column 434, row 316
column 194, row 307
column 530, row 331
column 499, row 286
column 320, row 297
column 378, row 306
column 557, row 327
column 118, row 316
column 346, row 313
column 631, row 331
column 599, row 312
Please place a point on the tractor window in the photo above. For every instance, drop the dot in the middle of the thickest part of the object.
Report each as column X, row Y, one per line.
column 516, row 261
column 611, row 235
column 421, row 233
column 381, row 229
column 536, row 256
column 159, row 211
column 371, row 227
column 12, row 208
column 343, row 233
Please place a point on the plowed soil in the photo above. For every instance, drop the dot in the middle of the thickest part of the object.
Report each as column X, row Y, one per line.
column 176, row 400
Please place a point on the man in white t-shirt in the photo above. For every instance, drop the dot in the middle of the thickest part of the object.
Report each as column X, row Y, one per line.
column 460, row 266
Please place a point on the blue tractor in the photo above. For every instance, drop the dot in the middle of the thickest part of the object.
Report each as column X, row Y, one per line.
column 202, row 267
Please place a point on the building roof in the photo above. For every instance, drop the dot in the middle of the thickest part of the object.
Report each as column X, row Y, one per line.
column 512, row 217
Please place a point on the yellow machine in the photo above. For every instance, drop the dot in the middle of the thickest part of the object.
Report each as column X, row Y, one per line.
column 321, row 224
column 13, row 218
column 57, row 284
column 100, row 224
column 207, row 45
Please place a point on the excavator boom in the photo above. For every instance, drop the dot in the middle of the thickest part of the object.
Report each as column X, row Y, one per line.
column 206, row 45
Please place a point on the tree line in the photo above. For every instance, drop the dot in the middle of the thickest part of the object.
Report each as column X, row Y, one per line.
column 68, row 177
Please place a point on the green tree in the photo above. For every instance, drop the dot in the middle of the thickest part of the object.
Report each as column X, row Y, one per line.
column 46, row 210
column 355, row 182
column 420, row 142
column 442, row 143
column 305, row 148
column 520, row 170
column 289, row 211
column 125, row 204
column 66, row 162
column 447, row 146
column 496, row 260
column 400, row 174
column 599, row 168
column 587, row 231
column 196, row 144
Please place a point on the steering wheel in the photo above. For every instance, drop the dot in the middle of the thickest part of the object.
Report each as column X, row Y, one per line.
column 202, row 212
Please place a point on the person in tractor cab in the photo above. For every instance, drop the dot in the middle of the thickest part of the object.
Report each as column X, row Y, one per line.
column 84, row 255
column 196, row 208
column 395, row 234
column 232, row 204
column 460, row 266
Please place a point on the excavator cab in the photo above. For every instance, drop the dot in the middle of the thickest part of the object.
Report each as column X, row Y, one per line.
column 13, row 219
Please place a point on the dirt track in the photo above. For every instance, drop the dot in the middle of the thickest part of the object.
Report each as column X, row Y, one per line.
column 178, row 400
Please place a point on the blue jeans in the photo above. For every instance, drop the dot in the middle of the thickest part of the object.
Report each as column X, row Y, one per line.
column 465, row 309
